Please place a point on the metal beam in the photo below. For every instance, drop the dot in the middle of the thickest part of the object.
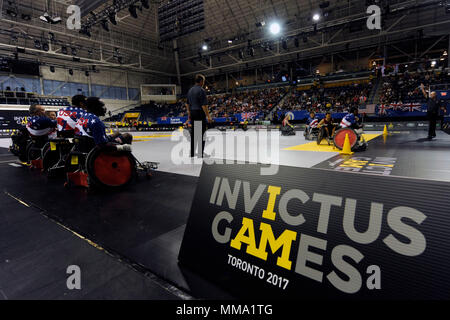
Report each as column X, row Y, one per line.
column 83, row 38
column 98, row 62
column 326, row 45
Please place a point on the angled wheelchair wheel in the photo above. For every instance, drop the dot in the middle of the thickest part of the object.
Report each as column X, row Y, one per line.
column 110, row 168
column 50, row 157
column 339, row 138
column 319, row 137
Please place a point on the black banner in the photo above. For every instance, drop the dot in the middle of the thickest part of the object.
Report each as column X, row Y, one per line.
column 12, row 120
column 317, row 234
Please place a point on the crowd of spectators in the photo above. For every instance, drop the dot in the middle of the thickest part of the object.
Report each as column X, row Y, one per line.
column 258, row 101
column 405, row 87
column 321, row 99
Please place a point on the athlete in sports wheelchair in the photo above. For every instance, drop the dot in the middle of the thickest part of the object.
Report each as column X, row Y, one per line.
column 312, row 127
column 287, row 129
column 29, row 144
column 352, row 127
column 327, row 129
column 98, row 160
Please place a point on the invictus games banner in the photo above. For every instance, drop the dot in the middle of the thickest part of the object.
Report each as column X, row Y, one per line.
column 12, row 120
column 317, row 234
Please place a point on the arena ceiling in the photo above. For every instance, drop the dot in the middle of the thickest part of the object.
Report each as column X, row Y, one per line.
column 139, row 47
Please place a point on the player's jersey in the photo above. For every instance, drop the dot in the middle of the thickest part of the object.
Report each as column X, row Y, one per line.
column 313, row 123
column 68, row 117
column 348, row 120
column 41, row 126
column 89, row 125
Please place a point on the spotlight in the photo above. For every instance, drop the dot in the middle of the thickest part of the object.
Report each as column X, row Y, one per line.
column 316, row 17
column 205, row 47
column 260, row 24
column 241, row 54
column 56, row 20
column 74, row 51
column 51, row 36
column 120, row 59
column 105, row 25
column 11, row 11
column 52, row 69
column 87, row 73
column 45, row 17
column 86, row 31
column 48, row 19
column 445, row 53
column 132, row 10
column 45, row 47
column 37, row 44
column 145, row 4
column 71, row 72
column 284, row 44
column 275, row 28
column 112, row 18
column 26, row 17
column 433, row 63
column 90, row 52
column 230, row 41
column 251, row 52
column 64, row 50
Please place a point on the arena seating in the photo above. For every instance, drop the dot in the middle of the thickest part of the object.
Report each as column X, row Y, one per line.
column 405, row 87
column 28, row 98
column 335, row 99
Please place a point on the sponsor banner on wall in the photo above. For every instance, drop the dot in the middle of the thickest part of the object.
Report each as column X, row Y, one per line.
column 10, row 119
column 319, row 234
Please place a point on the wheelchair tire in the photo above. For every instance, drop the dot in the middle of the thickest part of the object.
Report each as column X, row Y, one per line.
column 50, row 158
column 320, row 137
column 339, row 138
column 32, row 153
column 110, row 169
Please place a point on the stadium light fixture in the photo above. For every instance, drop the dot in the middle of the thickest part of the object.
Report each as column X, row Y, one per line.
column 112, row 18
column 433, row 63
column 105, row 25
column 145, row 4
column 132, row 10
column 275, row 28
column 316, row 17
column 205, row 47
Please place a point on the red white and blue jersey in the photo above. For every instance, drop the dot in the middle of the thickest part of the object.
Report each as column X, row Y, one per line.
column 313, row 123
column 348, row 120
column 68, row 117
column 41, row 126
column 89, row 125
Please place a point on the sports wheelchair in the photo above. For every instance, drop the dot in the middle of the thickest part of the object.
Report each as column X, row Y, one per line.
column 287, row 131
column 311, row 134
column 356, row 138
column 109, row 166
column 29, row 149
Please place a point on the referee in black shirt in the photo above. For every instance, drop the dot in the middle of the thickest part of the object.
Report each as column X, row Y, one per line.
column 197, row 108
column 434, row 109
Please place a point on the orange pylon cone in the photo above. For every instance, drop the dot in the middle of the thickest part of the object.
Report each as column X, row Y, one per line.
column 385, row 132
column 346, row 150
